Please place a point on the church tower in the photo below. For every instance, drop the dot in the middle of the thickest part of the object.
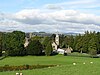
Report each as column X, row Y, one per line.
column 57, row 39
column 55, row 44
column 30, row 35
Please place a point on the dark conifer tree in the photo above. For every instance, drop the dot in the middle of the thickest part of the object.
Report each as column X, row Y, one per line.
column 48, row 49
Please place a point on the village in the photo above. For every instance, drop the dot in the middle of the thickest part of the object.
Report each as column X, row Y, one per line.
column 55, row 44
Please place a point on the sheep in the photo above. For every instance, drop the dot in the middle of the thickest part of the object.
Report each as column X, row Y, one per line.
column 84, row 63
column 91, row 62
column 17, row 73
column 74, row 63
column 21, row 73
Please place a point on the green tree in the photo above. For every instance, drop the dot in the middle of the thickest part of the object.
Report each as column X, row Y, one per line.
column 79, row 45
column 48, row 49
column 53, row 37
column 45, row 42
column 1, row 38
column 34, row 48
column 14, row 43
column 98, row 42
column 92, row 47
column 62, row 41
column 70, row 40
column 37, row 38
column 76, row 42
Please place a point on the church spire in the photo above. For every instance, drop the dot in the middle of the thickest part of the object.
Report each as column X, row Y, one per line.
column 57, row 39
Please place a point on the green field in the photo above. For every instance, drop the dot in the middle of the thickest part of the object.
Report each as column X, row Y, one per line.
column 66, row 65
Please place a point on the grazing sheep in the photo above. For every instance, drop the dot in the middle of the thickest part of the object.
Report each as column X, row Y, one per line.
column 17, row 73
column 74, row 63
column 91, row 62
column 84, row 63
column 21, row 73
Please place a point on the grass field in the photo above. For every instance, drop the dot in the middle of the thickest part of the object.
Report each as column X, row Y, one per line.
column 66, row 65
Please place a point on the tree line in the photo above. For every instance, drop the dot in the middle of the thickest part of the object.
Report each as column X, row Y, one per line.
column 13, row 43
column 83, row 43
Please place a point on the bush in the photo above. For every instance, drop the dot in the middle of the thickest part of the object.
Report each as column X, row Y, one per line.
column 23, row 67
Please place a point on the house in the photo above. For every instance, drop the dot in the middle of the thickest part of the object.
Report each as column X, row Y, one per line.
column 64, row 50
column 60, row 51
column 69, row 50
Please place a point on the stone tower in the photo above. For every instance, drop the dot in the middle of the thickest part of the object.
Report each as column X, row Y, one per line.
column 30, row 35
column 27, row 38
column 26, row 42
column 57, row 39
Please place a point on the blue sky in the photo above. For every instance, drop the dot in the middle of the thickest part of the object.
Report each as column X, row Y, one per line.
column 16, row 5
column 90, row 6
column 50, row 15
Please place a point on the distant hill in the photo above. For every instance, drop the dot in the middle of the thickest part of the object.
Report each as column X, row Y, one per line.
column 42, row 34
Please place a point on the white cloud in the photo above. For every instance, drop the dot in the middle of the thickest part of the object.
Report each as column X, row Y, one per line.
column 35, row 16
column 80, row 4
column 89, row 6
column 53, row 6
column 50, row 21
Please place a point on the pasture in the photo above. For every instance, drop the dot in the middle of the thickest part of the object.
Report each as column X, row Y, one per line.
column 65, row 63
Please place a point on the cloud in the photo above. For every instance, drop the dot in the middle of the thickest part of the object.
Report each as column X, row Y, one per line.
column 30, row 20
column 53, row 7
column 76, row 4
column 35, row 16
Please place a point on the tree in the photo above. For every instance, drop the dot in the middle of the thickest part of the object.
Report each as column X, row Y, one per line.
column 76, row 42
column 34, row 48
column 92, row 47
column 70, row 41
column 37, row 38
column 14, row 43
column 79, row 45
column 1, row 38
column 17, row 51
column 53, row 37
column 48, row 49
column 45, row 42
column 62, row 41
column 98, row 42
column 81, row 42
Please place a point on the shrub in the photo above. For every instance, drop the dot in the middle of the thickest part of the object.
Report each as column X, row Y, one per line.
column 23, row 67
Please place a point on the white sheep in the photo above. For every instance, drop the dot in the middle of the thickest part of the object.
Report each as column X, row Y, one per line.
column 74, row 63
column 17, row 73
column 91, row 62
column 21, row 73
column 84, row 63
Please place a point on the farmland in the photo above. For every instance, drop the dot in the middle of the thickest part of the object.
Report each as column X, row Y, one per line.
column 65, row 63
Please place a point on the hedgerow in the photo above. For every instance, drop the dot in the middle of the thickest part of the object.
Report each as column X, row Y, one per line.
column 23, row 67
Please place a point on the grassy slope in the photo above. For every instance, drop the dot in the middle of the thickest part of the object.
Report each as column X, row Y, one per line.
column 66, row 67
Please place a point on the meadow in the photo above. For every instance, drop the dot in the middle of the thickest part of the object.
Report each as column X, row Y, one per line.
column 65, row 63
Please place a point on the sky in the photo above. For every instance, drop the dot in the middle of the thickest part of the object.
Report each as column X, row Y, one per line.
column 64, row 16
